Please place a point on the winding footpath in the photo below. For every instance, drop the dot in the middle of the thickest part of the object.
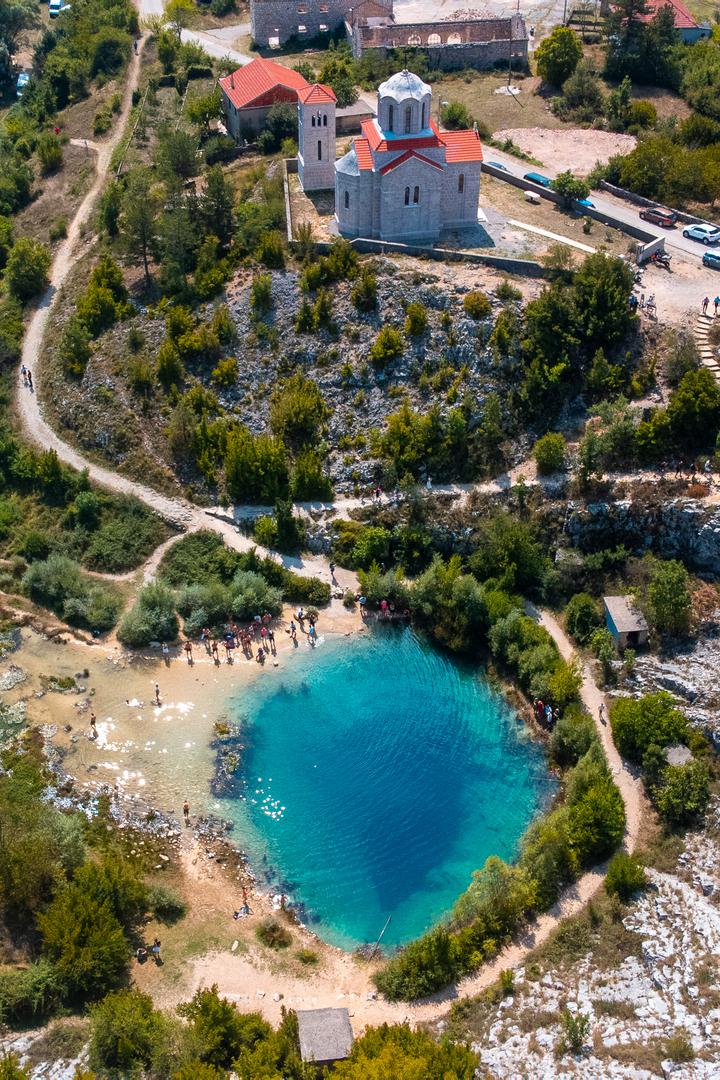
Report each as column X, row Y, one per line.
column 189, row 518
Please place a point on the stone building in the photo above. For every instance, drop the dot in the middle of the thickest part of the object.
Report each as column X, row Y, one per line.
column 405, row 180
column 273, row 22
column 316, row 137
column 450, row 45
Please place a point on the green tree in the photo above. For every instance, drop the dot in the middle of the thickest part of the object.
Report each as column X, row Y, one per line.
column 597, row 822
column 558, row 55
column 202, row 109
column 669, row 597
column 416, row 319
column 151, row 618
column 582, row 96
column 111, row 203
column 50, row 153
column 454, row 116
column 602, row 287
column 638, row 723
column 387, row 346
column 337, row 73
column 178, row 14
column 694, row 409
column 549, row 453
column 17, row 16
column 74, row 348
column 11, row 1069
column 6, row 240
column 280, row 123
column 582, row 617
column 86, row 943
column 684, row 793
column 26, row 272
column 570, row 187
column 625, row 876
column 618, row 105
column 124, row 1029
column 297, row 410
column 139, row 218
column 220, row 1029
column 498, row 894
column 216, row 206
column 256, row 467
column 396, row 1051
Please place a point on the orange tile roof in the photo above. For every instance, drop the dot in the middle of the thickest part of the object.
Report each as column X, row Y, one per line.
column 257, row 78
column 363, row 154
column 316, row 95
column 405, row 157
column 462, row 146
column 412, row 142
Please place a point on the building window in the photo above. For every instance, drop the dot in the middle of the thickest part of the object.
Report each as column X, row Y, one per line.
column 424, row 115
column 461, row 183
column 325, row 120
column 319, row 150
column 407, row 196
column 313, row 120
column 416, row 195
column 347, row 200
column 302, row 29
column 408, row 119
column 391, row 117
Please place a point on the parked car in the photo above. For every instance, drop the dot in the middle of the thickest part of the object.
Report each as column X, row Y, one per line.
column 56, row 6
column 658, row 215
column 704, row 234
column 711, row 259
column 538, row 178
column 498, row 165
column 22, row 80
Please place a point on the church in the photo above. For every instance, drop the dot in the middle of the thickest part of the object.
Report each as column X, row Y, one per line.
column 403, row 179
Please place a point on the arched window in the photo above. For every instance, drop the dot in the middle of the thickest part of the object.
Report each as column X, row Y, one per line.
column 434, row 39
column 319, row 150
column 347, row 199
column 424, row 114
column 414, row 40
column 391, row 117
column 313, row 119
column 408, row 119
column 416, row 195
column 407, row 196
column 325, row 120
column 461, row 183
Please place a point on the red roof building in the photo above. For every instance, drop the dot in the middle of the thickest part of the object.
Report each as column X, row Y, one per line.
column 689, row 30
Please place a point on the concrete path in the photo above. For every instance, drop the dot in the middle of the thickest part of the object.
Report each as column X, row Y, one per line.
column 218, row 43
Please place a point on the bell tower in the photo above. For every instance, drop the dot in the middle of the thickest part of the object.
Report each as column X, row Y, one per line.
column 316, row 137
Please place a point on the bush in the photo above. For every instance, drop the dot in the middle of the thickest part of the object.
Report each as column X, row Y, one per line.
column 416, row 319
column 297, row 410
column 26, row 273
column 572, row 736
column 558, row 55
column 639, row 723
column 166, row 905
column 507, row 292
column 50, row 153
column 74, row 348
column 684, row 793
column 455, row 116
column 59, row 583
column 625, row 876
column 386, row 347
column 152, row 618
column 86, row 943
column 477, row 305
column 272, row 933
column 308, row 481
column 225, row 375
column 582, row 617
column 30, row 994
column 669, row 597
column 124, row 1030
column 220, row 1030
column 549, row 453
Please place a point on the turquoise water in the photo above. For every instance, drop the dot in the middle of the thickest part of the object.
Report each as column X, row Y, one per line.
column 379, row 774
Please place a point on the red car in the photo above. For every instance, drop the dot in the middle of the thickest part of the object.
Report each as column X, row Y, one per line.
column 659, row 216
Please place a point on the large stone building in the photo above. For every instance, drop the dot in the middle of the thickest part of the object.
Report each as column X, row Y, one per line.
column 370, row 24
column 405, row 180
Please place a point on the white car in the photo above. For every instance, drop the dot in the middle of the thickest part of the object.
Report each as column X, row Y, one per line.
column 22, row 80
column 705, row 234
column 56, row 6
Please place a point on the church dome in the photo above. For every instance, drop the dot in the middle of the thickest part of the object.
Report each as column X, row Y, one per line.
column 404, row 85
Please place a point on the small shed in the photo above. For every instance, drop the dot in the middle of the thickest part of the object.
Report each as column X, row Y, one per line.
column 626, row 624
column 325, row 1035
column 349, row 118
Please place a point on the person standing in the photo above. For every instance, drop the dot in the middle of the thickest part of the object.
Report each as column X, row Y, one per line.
column 30, row 382
column 157, row 694
column 716, row 302
column 93, row 726
column 601, row 713
column 186, row 813
column 705, row 303
column 188, row 652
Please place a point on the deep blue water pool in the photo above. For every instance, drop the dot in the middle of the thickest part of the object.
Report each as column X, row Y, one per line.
column 379, row 774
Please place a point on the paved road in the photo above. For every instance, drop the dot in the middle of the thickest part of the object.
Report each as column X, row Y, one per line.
column 618, row 208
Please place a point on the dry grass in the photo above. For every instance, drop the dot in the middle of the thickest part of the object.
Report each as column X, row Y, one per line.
column 477, row 89
column 510, row 202
column 203, row 18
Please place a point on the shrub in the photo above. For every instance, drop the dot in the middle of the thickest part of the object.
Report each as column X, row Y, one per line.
column 549, row 453
column 26, row 273
column 477, row 305
column 416, row 320
column 364, row 292
column 59, row 583
column 455, row 116
column 297, row 410
column 507, row 292
column 625, row 876
column 572, row 736
column 669, row 597
column 124, row 1030
column 220, row 1030
column 50, row 153
column 684, row 793
column 639, row 723
column 272, row 933
column 558, row 55
column 261, row 293
column 597, row 822
column 28, row 995
column 387, row 346
column 74, row 349
column 86, row 943
column 225, row 375
column 58, row 230
column 575, row 1028
column 152, row 618
column 166, row 905
column 308, row 481
column 419, row 969
column 582, row 617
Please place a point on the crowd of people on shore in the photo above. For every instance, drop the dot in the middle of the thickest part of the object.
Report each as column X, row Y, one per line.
column 545, row 714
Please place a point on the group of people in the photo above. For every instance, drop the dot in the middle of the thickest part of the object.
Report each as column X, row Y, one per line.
column 143, row 952
column 260, row 632
column 648, row 305
column 302, row 617
column 545, row 715
column 706, row 303
column 27, row 377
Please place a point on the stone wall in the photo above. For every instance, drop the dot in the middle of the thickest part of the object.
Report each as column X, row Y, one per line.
column 452, row 45
column 275, row 21
column 677, row 529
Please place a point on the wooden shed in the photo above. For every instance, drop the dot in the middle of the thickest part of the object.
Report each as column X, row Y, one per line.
column 626, row 624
